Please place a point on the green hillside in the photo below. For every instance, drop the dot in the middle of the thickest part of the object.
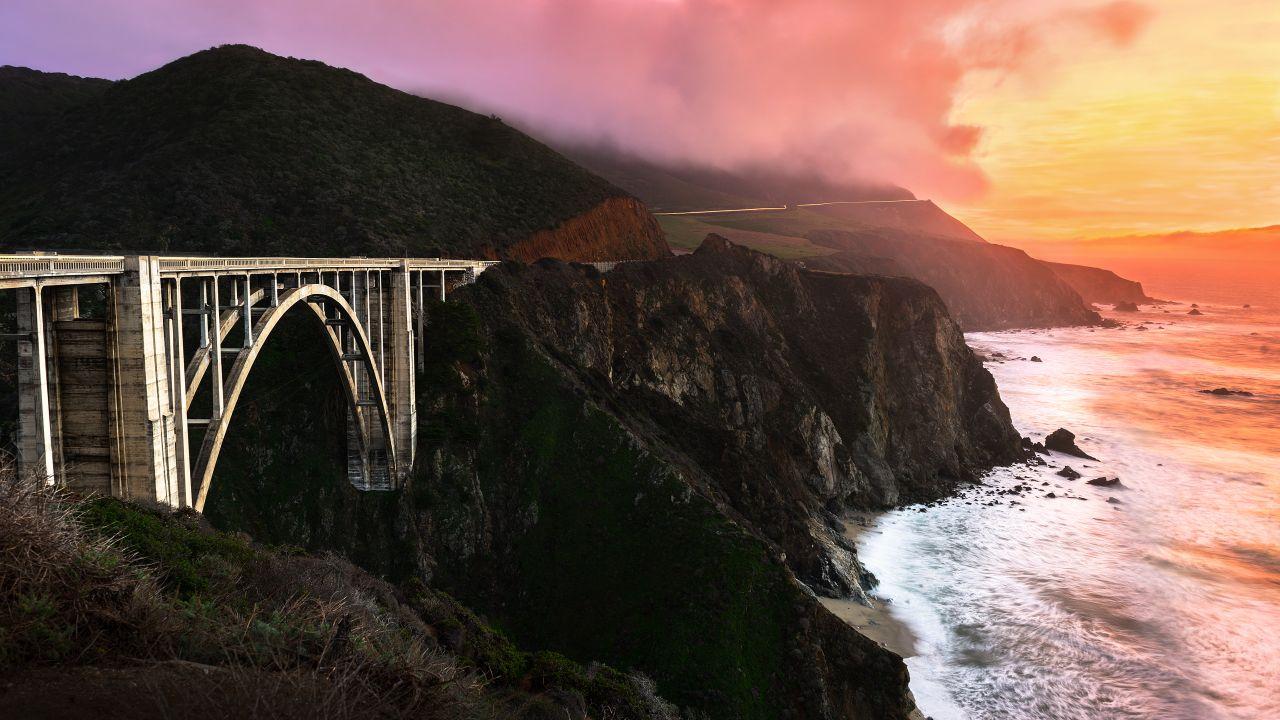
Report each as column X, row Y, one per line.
column 239, row 151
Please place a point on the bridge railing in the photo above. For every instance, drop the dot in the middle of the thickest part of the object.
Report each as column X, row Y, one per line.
column 259, row 264
column 32, row 266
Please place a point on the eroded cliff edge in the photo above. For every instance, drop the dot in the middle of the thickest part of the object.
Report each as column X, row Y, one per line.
column 644, row 468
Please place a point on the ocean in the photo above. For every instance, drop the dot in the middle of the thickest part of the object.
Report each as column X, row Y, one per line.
column 1155, row 598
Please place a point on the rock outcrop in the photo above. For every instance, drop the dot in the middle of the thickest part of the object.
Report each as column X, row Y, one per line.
column 1064, row 441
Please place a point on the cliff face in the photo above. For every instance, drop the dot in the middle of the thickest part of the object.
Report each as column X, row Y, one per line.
column 616, row 229
column 1096, row 285
column 986, row 286
column 796, row 391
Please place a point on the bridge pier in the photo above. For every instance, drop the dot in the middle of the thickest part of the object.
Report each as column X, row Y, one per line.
column 144, row 465
column 401, row 370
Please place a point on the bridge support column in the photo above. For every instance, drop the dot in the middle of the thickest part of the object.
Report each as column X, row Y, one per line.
column 400, row 369
column 144, row 448
column 36, row 451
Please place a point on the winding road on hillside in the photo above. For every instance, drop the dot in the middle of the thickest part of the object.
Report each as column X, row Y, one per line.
column 790, row 207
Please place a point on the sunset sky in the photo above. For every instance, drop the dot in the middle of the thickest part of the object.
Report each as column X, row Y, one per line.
column 1033, row 120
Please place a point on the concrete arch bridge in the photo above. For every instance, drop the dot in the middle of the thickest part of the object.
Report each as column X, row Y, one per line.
column 136, row 403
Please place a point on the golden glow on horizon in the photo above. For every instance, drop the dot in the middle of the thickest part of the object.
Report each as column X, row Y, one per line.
column 1180, row 131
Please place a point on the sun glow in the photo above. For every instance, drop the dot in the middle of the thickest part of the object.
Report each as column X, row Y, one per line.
column 1180, row 131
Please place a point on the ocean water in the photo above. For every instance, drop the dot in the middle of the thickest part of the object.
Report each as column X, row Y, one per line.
column 1163, row 603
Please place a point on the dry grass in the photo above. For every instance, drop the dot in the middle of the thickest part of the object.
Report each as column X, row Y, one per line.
column 155, row 608
column 67, row 595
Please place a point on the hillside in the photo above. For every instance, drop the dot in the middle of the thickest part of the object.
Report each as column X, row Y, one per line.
column 985, row 286
column 114, row 611
column 238, row 151
column 30, row 99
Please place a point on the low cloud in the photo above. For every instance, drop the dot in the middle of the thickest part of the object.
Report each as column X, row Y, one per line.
column 853, row 90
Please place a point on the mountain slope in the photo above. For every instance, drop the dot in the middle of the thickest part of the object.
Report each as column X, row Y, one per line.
column 238, row 151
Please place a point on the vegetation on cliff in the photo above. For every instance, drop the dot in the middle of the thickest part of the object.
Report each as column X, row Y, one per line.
column 240, row 152
column 142, row 608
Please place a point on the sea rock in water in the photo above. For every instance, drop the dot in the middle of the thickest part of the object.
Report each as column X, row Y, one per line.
column 1068, row 472
column 1227, row 391
column 1126, row 307
column 1064, row 441
column 1113, row 500
column 1036, row 358
column 1105, row 481
column 1194, row 311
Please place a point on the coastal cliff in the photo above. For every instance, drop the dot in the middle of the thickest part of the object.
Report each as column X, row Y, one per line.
column 1096, row 285
column 645, row 467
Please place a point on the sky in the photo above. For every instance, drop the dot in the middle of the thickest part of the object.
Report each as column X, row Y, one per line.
column 1035, row 121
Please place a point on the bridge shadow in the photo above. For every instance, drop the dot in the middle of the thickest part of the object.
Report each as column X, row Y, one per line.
column 282, row 475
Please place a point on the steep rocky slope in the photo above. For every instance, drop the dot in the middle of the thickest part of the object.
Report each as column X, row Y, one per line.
column 1096, row 285
column 641, row 467
column 985, row 286
column 237, row 151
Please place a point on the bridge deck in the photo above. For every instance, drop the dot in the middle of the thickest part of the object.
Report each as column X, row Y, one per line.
column 26, row 270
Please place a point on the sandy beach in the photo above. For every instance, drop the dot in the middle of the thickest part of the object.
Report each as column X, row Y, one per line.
column 874, row 620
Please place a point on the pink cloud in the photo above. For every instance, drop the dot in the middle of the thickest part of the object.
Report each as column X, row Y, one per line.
column 854, row 90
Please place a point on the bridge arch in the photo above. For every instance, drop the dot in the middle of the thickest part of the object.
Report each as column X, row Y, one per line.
column 320, row 300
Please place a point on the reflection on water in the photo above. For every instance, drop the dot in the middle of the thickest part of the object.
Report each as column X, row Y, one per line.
column 1163, row 602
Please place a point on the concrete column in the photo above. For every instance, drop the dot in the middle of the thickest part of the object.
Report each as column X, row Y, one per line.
column 145, row 463
column 215, row 353
column 400, row 376
column 421, row 316
column 35, row 435
column 178, row 392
